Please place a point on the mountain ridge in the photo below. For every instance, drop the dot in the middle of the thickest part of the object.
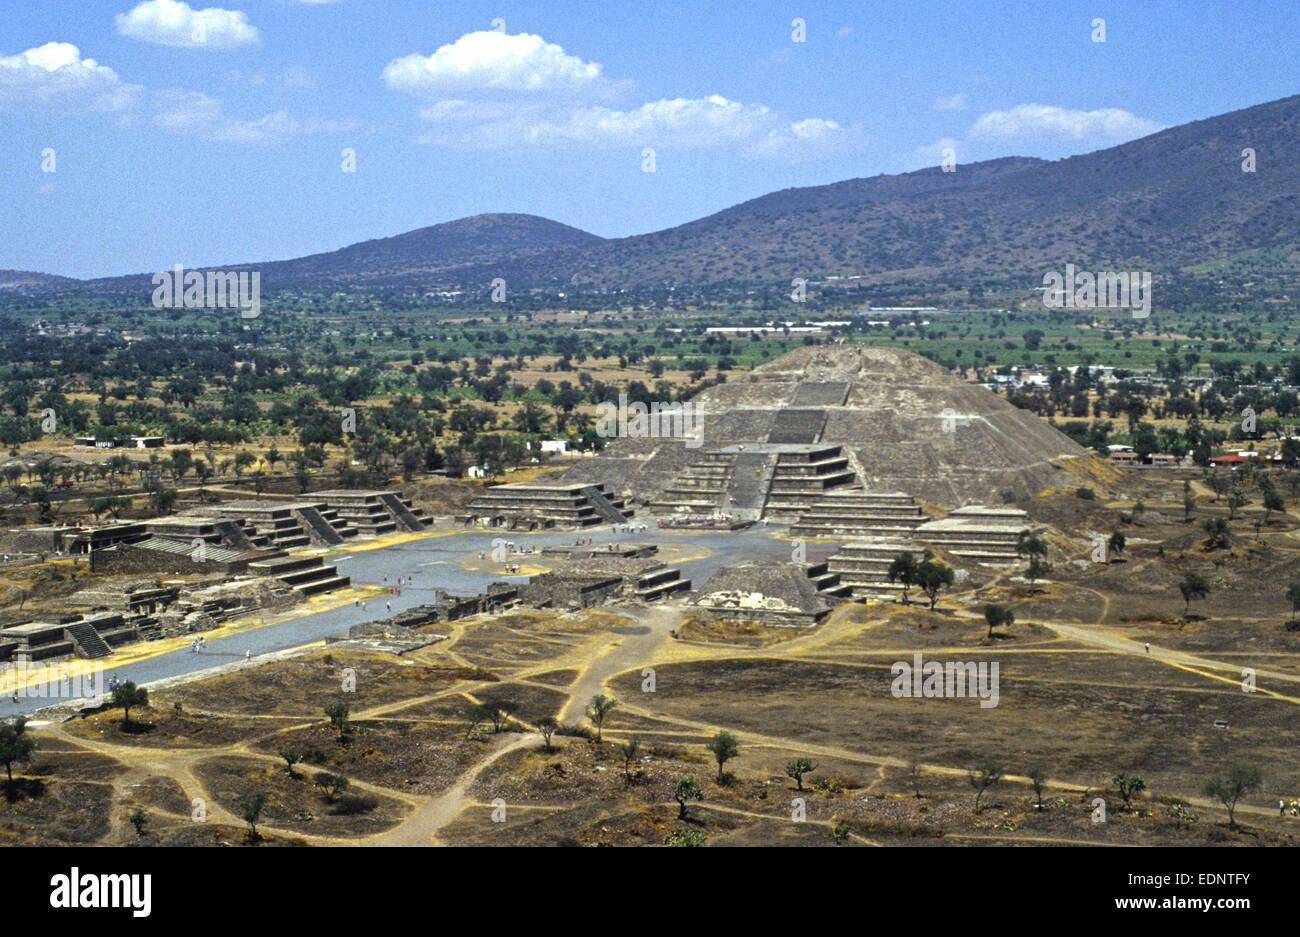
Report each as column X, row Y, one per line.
column 1167, row 200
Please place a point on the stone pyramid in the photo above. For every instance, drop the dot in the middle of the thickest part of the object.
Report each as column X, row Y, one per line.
column 903, row 422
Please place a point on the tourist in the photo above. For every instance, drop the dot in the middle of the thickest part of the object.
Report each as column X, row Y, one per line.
column 1148, row 647
column 248, row 655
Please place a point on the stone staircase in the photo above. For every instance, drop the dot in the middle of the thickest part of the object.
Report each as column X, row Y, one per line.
column 86, row 640
column 751, row 478
column 660, row 582
column 767, row 480
column 604, row 507
column 404, row 516
column 317, row 527
column 828, row 582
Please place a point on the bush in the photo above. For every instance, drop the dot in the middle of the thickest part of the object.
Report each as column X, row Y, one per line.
column 828, row 785
column 354, row 804
column 1085, row 494
column 572, row 730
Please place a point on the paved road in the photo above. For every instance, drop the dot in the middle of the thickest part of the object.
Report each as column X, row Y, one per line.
column 434, row 562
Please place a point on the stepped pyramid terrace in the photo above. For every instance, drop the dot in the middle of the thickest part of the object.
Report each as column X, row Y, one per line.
column 538, row 506
column 823, row 420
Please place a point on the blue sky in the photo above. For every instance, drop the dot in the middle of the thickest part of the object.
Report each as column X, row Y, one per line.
column 208, row 135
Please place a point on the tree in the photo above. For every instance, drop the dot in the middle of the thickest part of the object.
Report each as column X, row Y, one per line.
column 1034, row 548
column 724, row 747
column 998, row 616
column 1236, row 501
column 1115, row 545
column 291, row 757
column 1217, row 530
column 1031, row 545
column 1128, row 785
column 1273, row 502
column 500, row 712
column 983, row 776
column 914, row 772
column 1037, row 569
column 251, row 812
column 1230, row 785
column 598, row 709
column 127, row 695
column 629, row 751
column 1293, row 596
column 1192, row 586
column 840, row 833
column 798, row 768
column 903, row 570
column 546, row 726
column 16, row 746
column 332, row 785
column 475, row 714
column 685, row 789
column 1038, row 779
column 932, row 577
column 337, row 713
column 138, row 820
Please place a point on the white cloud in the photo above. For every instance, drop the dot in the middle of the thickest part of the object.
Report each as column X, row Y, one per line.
column 678, row 122
column 175, row 23
column 844, row 31
column 54, row 77
column 200, row 115
column 499, row 91
column 804, row 138
column 1042, row 123
column 491, row 61
column 950, row 102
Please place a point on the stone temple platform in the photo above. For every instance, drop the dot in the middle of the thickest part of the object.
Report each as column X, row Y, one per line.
column 538, row 506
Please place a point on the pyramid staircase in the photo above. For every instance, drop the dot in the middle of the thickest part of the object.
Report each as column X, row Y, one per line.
column 603, row 505
column 656, row 583
column 767, row 480
column 828, row 582
column 86, row 640
column 320, row 530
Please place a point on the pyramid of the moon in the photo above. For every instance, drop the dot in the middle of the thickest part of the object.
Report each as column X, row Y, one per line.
column 833, row 417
